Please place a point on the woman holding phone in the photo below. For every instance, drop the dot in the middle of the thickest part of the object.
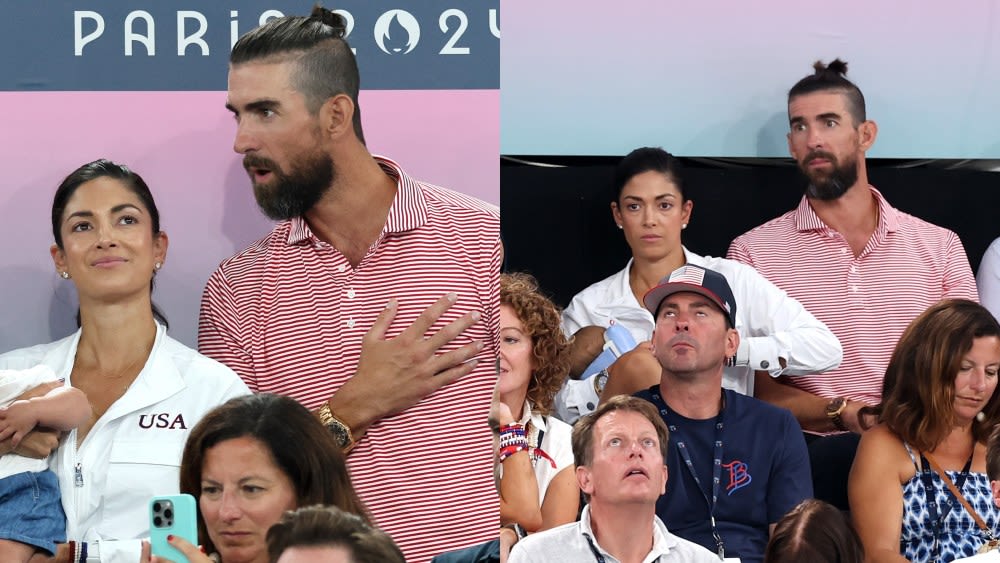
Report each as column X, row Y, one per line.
column 247, row 463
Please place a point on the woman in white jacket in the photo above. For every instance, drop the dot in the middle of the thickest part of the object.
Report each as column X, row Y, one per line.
column 147, row 390
column 652, row 208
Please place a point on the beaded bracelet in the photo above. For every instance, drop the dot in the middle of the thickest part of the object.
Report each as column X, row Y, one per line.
column 512, row 440
column 508, row 451
column 77, row 551
column 512, row 434
column 508, row 439
column 512, row 428
column 514, row 443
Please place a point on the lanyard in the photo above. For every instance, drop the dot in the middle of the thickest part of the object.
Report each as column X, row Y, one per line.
column 716, row 463
column 535, row 451
column 927, row 477
column 593, row 549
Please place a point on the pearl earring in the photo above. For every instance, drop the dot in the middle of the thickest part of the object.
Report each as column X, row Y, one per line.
column 620, row 226
column 158, row 265
column 684, row 226
column 981, row 416
column 64, row 275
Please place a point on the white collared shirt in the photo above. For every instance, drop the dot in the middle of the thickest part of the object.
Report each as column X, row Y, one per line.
column 988, row 557
column 572, row 543
column 988, row 279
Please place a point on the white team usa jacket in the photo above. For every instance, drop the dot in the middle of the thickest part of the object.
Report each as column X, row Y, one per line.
column 134, row 451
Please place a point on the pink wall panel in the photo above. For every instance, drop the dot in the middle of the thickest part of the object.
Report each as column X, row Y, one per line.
column 181, row 143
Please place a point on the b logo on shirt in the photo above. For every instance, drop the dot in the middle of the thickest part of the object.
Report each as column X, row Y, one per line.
column 162, row 420
column 739, row 475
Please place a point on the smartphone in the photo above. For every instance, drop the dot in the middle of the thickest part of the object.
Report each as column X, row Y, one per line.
column 172, row 515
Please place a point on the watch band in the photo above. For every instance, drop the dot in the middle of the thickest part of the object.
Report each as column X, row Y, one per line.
column 835, row 414
column 839, row 422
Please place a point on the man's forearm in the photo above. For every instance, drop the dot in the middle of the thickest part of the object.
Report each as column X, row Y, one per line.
column 808, row 409
column 357, row 413
column 587, row 344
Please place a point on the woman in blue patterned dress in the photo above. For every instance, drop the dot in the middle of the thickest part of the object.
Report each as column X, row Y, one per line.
column 938, row 408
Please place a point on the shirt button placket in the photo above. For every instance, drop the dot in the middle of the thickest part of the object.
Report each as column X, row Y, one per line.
column 853, row 284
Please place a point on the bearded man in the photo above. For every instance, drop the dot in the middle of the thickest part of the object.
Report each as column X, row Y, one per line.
column 374, row 301
column 862, row 267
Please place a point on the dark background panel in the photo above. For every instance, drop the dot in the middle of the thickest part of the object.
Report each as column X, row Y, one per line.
column 66, row 45
column 556, row 221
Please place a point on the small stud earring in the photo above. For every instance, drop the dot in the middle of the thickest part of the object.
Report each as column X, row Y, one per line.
column 620, row 226
column 158, row 265
column 64, row 275
column 684, row 226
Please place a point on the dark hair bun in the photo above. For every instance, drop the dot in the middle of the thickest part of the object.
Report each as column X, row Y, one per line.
column 837, row 66
column 332, row 19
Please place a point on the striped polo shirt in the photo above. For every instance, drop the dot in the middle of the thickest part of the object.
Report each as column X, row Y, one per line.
column 868, row 300
column 288, row 315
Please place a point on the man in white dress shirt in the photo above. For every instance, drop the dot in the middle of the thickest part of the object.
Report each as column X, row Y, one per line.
column 620, row 451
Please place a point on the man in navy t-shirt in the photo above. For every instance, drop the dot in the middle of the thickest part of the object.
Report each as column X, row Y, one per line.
column 737, row 465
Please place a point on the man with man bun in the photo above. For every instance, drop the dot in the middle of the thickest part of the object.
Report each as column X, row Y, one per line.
column 374, row 301
column 862, row 267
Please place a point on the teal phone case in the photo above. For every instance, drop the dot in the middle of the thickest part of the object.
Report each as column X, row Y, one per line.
column 174, row 515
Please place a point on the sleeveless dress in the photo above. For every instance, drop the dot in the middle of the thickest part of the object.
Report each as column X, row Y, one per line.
column 957, row 533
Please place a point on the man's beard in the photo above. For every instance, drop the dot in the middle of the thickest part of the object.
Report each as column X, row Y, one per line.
column 292, row 194
column 828, row 186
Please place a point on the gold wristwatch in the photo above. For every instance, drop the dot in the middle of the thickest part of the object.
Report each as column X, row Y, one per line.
column 834, row 409
column 341, row 432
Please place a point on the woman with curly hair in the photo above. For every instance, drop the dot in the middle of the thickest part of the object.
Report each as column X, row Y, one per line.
column 538, row 487
column 918, row 488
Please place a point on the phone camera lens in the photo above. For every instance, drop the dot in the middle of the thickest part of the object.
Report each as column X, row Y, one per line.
column 157, row 507
column 168, row 514
column 157, row 521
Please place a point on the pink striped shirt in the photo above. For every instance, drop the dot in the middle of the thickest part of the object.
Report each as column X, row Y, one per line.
column 867, row 301
column 288, row 314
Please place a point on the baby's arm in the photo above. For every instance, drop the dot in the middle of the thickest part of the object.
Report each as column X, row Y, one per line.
column 62, row 408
